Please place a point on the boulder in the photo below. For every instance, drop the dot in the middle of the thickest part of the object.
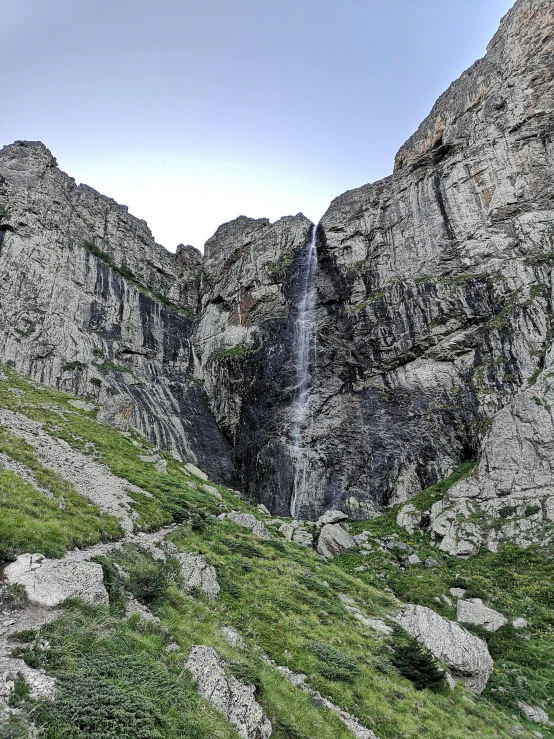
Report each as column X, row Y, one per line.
column 466, row 656
column 331, row 517
column 116, row 412
column 192, row 469
column 472, row 611
column 413, row 559
column 519, row 623
column 534, row 713
column 249, row 522
column 49, row 582
column 232, row 637
column 431, row 562
column 334, row 540
column 197, row 573
column 287, row 529
column 409, row 518
column 457, row 592
column 233, row 698
column 303, row 537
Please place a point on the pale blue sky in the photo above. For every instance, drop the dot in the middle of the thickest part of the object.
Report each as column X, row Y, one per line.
column 193, row 112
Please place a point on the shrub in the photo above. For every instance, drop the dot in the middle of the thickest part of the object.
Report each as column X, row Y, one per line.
column 21, row 690
column 415, row 662
column 12, row 596
column 334, row 664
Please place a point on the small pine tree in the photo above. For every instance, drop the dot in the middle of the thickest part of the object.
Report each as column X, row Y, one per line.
column 415, row 662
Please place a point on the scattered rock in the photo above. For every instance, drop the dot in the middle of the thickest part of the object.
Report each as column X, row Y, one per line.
column 409, row 518
column 457, row 592
column 519, row 623
column 49, row 582
column 82, row 405
column 464, row 654
column 248, row 521
column 287, row 529
column 261, row 507
column 197, row 573
column 472, row 611
column 303, row 537
column 232, row 637
column 534, row 713
column 431, row 562
column 235, row 699
column 193, row 470
column 330, row 517
column 116, row 411
column 212, row 491
column 132, row 606
column 361, row 538
column 413, row 559
column 333, row 540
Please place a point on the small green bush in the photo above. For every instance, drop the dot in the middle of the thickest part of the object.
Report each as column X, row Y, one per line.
column 415, row 662
column 21, row 691
column 334, row 664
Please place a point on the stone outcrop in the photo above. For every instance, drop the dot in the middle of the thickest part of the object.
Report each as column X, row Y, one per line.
column 466, row 656
column 90, row 304
column 197, row 573
column 48, row 582
column 433, row 321
column 235, row 699
column 248, row 521
column 334, row 540
column 473, row 611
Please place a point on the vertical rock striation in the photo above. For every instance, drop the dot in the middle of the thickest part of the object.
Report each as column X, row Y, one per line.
column 433, row 315
column 90, row 304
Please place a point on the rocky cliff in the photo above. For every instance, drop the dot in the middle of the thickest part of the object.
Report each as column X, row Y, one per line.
column 433, row 319
column 92, row 305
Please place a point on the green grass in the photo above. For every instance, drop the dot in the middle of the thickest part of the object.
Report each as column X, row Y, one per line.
column 31, row 521
column 516, row 582
column 117, row 679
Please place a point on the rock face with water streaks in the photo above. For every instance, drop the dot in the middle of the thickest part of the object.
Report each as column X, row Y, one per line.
column 92, row 305
column 431, row 328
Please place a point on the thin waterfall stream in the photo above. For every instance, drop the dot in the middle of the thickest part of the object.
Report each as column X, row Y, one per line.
column 304, row 340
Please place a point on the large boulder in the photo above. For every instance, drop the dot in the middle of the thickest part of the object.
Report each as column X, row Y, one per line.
column 249, row 522
column 49, row 582
column 235, row 699
column 465, row 655
column 334, row 540
column 332, row 517
column 197, row 573
column 472, row 611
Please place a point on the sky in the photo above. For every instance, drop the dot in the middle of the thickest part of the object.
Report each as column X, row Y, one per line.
column 193, row 112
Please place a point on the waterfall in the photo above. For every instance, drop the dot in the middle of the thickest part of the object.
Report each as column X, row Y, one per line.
column 302, row 349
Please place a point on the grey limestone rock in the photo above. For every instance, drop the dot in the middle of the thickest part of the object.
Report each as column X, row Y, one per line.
column 250, row 522
column 91, row 305
column 233, row 637
column 535, row 714
column 334, row 540
column 473, row 611
column 49, row 582
column 235, row 699
column 465, row 655
column 332, row 516
column 197, row 573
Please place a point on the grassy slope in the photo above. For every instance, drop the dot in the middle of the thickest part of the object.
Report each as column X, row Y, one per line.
column 283, row 599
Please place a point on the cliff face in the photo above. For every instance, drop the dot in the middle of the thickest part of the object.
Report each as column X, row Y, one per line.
column 435, row 283
column 433, row 316
column 90, row 304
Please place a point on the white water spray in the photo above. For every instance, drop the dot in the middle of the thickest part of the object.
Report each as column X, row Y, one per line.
column 302, row 349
